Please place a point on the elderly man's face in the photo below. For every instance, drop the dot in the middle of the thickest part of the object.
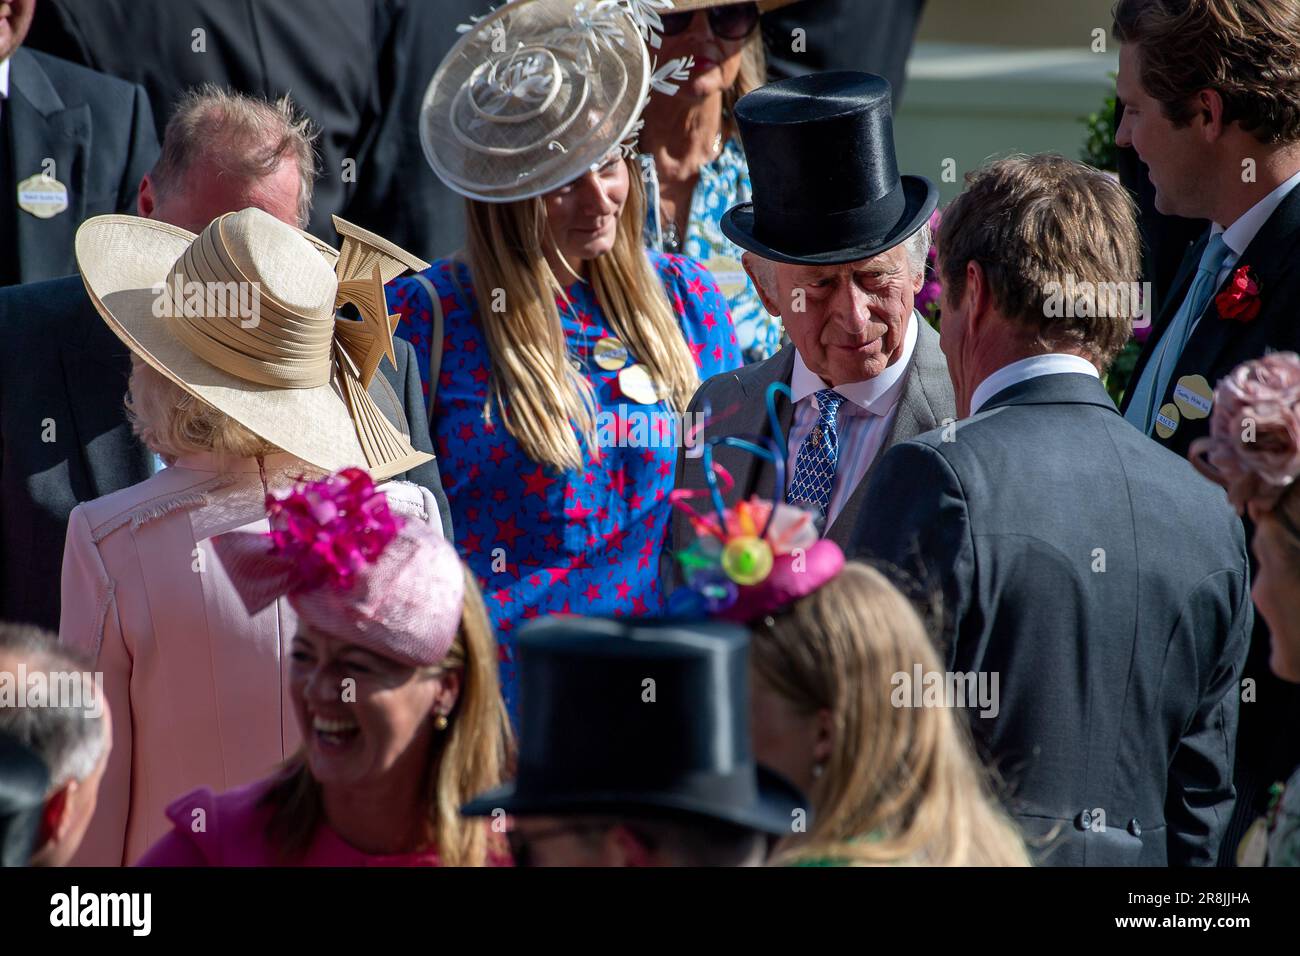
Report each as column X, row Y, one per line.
column 847, row 321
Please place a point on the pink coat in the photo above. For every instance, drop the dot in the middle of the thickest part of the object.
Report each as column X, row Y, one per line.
column 229, row 829
column 197, row 687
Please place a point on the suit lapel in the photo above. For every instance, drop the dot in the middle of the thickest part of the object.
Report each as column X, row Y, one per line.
column 46, row 138
column 1269, row 257
column 1178, row 291
column 760, row 478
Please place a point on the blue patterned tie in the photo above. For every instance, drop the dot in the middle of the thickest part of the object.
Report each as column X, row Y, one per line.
column 1148, row 391
column 814, row 467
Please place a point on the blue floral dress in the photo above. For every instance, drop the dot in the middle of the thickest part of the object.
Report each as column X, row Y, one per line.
column 542, row 541
column 723, row 183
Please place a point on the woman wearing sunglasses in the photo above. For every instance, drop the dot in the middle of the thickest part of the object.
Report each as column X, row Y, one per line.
column 693, row 162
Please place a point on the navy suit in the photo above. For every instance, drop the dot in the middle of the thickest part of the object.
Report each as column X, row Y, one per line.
column 1215, row 348
column 1106, row 583
column 65, row 439
column 90, row 132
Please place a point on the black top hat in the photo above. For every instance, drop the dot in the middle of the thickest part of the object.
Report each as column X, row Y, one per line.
column 638, row 717
column 821, row 161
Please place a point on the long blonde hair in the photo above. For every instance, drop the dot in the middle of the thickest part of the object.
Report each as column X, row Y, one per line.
column 902, row 785
column 472, row 755
column 542, row 398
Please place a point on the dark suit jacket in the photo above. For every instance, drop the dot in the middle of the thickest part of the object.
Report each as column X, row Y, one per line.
column 871, row 35
column 99, row 133
column 738, row 400
column 1118, row 688
column 64, row 437
column 1216, row 347
column 358, row 68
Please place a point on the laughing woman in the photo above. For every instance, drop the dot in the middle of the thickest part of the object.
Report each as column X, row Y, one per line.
column 556, row 351
column 393, row 682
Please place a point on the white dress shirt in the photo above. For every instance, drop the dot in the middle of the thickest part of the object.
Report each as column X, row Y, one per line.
column 863, row 421
column 1053, row 363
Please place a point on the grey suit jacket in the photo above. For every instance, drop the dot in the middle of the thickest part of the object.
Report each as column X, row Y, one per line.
column 1104, row 583
column 64, row 437
column 737, row 401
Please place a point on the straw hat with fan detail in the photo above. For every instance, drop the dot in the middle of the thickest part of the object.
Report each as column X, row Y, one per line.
column 242, row 316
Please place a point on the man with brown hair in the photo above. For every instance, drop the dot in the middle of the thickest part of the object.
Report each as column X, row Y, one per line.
column 1211, row 92
column 1096, row 573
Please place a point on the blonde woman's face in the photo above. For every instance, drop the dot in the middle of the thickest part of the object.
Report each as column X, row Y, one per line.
column 362, row 715
column 1276, row 591
column 785, row 741
column 582, row 217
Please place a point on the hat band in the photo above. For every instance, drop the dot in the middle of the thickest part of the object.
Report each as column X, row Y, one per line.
column 867, row 225
column 224, row 319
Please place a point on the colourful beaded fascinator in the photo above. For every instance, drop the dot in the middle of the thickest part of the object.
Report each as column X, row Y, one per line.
column 352, row 569
column 755, row 558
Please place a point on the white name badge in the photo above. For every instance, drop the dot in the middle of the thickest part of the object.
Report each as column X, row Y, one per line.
column 42, row 196
column 729, row 274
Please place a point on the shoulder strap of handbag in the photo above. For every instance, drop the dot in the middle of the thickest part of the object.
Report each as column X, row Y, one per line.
column 437, row 330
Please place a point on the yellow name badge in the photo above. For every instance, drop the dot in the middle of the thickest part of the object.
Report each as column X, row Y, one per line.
column 1194, row 397
column 729, row 274
column 1167, row 420
column 42, row 196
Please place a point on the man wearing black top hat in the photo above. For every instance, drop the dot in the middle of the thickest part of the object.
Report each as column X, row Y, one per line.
column 837, row 244
column 635, row 750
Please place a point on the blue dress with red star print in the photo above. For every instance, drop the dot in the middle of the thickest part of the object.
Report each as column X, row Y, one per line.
column 539, row 540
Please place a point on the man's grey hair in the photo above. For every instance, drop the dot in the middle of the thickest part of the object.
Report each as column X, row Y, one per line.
column 70, row 739
column 918, row 248
column 241, row 136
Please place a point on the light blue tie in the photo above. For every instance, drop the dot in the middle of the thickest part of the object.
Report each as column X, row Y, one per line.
column 1155, row 377
column 814, row 466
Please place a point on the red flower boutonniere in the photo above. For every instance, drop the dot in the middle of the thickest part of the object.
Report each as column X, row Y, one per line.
column 1240, row 300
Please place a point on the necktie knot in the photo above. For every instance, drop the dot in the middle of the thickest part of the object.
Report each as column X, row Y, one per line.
column 828, row 403
column 1216, row 253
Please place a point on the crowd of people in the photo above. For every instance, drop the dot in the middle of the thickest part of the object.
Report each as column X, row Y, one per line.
column 654, row 524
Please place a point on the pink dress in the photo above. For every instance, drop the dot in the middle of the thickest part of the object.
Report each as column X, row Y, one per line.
column 229, row 829
column 197, row 687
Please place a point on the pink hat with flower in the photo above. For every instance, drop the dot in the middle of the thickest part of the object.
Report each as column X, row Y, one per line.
column 352, row 569
column 1253, row 449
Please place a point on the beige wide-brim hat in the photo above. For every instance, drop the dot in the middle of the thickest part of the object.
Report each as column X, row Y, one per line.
column 295, row 377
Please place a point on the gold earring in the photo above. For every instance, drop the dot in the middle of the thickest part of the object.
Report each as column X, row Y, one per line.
column 440, row 721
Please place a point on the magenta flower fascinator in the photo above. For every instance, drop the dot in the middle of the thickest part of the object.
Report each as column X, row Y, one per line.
column 352, row 569
column 755, row 558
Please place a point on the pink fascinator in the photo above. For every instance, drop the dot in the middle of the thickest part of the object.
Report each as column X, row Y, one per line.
column 1253, row 449
column 352, row 569
column 758, row 557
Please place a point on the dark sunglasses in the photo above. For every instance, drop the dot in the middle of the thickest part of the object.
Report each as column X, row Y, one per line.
column 735, row 21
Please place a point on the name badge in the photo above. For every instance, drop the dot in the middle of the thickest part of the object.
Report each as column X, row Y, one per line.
column 1167, row 420
column 1193, row 396
column 42, row 196
column 729, row 274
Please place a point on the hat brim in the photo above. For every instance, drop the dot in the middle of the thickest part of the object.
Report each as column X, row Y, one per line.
column 921, row 198
column 772, row 812
column 123, row 260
